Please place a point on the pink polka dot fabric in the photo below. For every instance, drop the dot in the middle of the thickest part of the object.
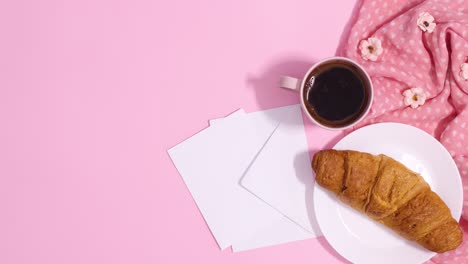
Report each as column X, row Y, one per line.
column 428, row 60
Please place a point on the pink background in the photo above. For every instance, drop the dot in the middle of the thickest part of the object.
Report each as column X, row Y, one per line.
column 93, row 93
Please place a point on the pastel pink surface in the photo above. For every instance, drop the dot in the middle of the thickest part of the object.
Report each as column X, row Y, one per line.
column 93, row 93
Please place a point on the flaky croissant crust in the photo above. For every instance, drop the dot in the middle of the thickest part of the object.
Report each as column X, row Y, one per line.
column 388, row 192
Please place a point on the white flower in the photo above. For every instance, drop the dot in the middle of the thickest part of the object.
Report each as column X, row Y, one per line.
column 414, row 97
column 370, row 48
column 426, row 22
column 464, row 71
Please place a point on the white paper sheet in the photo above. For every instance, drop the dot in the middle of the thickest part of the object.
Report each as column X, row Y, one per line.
column 281, row 229
column 212, row 164
column 278, row 231
column 236, row 114
column 281, row 174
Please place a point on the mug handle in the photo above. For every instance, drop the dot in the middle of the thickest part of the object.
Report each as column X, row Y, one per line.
column 293, row 83
column 290, row 83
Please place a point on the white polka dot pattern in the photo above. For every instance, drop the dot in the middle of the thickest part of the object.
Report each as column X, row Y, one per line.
column 414, row 58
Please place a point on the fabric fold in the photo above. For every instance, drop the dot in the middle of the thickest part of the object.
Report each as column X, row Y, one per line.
column 424, row 45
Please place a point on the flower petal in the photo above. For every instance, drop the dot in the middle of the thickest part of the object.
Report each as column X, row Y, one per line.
column 464, row 70
column 408, row 93
column 373, row 57
column 378, row 51
column 426, row 22
column 408, row 100
column 421, row 18
column 431, row 27
column 422, row 27
column 374, row 41
column 464, row 66
column 364, row 44
column 464, row 75
column 370, row 54
column 364, row 47
column 423, row 96
column 421, row 100
column 429, row 18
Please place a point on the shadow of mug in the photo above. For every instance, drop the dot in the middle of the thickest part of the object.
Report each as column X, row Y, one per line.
column 269, row 95
column 266, row 84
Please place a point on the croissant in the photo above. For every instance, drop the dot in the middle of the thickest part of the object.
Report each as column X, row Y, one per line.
column 388, row 192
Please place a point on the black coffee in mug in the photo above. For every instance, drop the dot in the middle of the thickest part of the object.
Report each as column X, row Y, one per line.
column 336, row 94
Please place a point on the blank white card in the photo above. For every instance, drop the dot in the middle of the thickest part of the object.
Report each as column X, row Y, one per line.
column 213, row 163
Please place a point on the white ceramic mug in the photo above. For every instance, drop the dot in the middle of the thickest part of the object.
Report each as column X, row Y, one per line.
column 300, row 86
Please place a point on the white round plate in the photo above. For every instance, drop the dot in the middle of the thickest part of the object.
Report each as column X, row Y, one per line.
column 361, row 240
